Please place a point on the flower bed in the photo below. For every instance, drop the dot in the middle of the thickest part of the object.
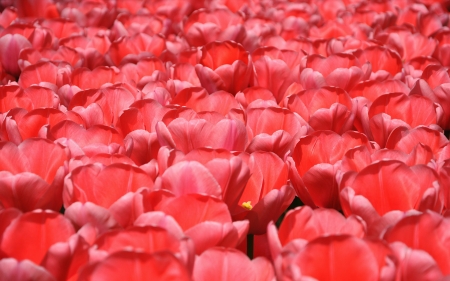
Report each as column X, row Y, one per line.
column 224, row 140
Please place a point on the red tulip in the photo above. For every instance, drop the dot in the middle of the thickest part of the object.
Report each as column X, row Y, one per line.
column 100, row 158
column 414, row 70
column 406, row 139
column 97, row 14
column 101, row 153
column 13, row 96
column 366, row 92
column 274, row 129
column 339, row 70
column 330, row 29
column 62, row 28
column 429, row 23
column 378, row 225
column 39, row 37
column 273, row 74
column 316, row 160
column 103, row 185
column 32, row 234
column 413, row 110
column 294, row 27
column 174, row 10
column 436, row 75
column 208, row 222
column 8, row 129
column 64, row 259
column 142, row 114
column 196, row 133
column 9, row 14
column 230, row 172
column 308, row 224
column 435, row 85
column 94, row 79
column 97, row 135
column 409, row 45
column 385, row 62
column 146, row 239
column 444, row 175
column 134, row 72
column 443, row 49
column 126, row 48
column 7, row 216
column 292, row 58
column 410, row 13
column 198, row 99
column 142, row 147
column 224, row 66
column 252, row 94
column 90, row 115
column 190, row 97
column 415, row 187
column 11, row 269
column 129, row 206
column 112, row 101
column 188, row 177
column 327, row 108
column 91, row 49
column 32, row 175
column 266, row 195
column 132, row 24
column 46, row 74
column 160, row 219
column 427, row 232
column 415, row 264
column 331, row 258
column 419, row 64
column 167, row 157
column 136, row 266
column 81, row 214
column 203, row 27
column 226, row 264
column 182, row 76
column 373, row 89
column 373, row 17
column 36, row 9
column 330, row 9
column 62, row 55
column 10, row 47
column 358, row 158
column 305, row 10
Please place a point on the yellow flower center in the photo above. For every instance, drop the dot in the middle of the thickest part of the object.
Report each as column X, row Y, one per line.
column 247, row 205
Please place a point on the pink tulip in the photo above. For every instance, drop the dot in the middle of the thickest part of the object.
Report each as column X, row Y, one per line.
column 10, row 47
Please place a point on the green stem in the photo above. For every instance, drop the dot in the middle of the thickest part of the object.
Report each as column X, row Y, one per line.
column 250, row 246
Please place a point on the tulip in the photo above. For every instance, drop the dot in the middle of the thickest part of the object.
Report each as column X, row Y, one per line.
column 315, row 162
column 227, row 264
column 196, row 133
column 32, row 234
column 266, row 194
column 32, row 174
column 419, row 231
column 203, row 27
column 338, row 252
column 118, row 178
column 224, row 66
column 10, row 47
column 136, row 266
